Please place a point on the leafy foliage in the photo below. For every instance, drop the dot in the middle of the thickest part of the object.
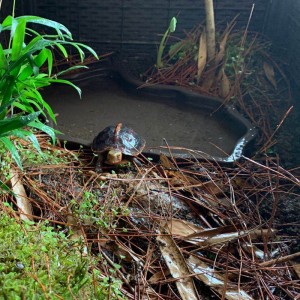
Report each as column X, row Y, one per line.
column 21, row 78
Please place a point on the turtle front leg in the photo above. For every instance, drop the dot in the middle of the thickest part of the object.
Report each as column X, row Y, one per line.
column 99, row 163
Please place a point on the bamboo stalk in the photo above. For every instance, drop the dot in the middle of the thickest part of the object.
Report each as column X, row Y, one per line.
column 210, row 29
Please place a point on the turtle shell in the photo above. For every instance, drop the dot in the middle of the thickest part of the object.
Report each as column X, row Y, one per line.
column 119, row 137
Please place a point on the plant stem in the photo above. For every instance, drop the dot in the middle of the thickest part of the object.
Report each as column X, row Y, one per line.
column 13, row 9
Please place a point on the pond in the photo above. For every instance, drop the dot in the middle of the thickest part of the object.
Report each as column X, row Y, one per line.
column 173, row 121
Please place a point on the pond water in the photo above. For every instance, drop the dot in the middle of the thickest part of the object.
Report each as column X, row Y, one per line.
column 104, row 102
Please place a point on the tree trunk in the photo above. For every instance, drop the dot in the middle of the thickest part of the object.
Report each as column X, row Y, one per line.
column 210, row 29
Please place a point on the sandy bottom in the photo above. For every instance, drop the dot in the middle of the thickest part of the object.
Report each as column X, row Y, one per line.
column 159, row 121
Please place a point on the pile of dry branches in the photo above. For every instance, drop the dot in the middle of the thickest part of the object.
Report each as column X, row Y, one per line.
column 189, row 230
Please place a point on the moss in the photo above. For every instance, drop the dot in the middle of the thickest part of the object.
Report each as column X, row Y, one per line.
column 38, row 263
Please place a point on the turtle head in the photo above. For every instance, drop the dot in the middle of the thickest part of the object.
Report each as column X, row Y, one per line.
column 114, row 157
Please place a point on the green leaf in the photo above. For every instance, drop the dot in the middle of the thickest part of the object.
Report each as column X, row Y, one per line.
column 35, row 68
column 25, row 73
column 81, row 53
column 47, row 129
column 4, row 187
column 68, row 83
column 34, row 99
column 7, row 125
column 38, row 40
column 173, row 23
column 89, row 49
column 18, row 40
column 13, row 151
column 50, row 61
column 62, row 49
column 41, row 57
column 7, row 21
column 46, row 22
column 3, row 61
column 3, row 107
column 43, row 105
column 71, row 69
column 8, row 89
column 24, row 134
column 24, row 106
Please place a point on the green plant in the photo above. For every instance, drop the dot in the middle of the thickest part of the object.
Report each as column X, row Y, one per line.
column 39, row 263
column 91, row 211
column 171, row 28
column 21, row 60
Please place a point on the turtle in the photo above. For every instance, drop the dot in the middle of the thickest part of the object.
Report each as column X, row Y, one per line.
column 115, row 141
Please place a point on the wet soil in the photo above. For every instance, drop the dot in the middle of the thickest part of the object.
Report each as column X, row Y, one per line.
column 159, row 121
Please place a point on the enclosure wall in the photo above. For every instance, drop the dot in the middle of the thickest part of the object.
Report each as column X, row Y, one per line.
column 133, row 27
column 283, row 27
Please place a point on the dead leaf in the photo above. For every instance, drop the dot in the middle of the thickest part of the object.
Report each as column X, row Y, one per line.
column 296, row 267
column 222, row 46
column 177, row 266
column 159, row 276
column 216, row 281
column 182, row 228
column 224, row 85
column 221, row 235
column 227, row 237
column 209, row 80
column 212, row 232
column 202, row 55
column 23, row 203
column 270, row 74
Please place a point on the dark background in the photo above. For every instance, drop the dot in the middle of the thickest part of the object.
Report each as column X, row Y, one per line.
column 134, row 27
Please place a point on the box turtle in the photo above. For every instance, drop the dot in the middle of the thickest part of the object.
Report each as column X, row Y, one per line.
column 115, row 141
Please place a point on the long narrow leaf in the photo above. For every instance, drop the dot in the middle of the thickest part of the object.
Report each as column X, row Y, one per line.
column 3, row 107
column 47, row 129
column 50, row 61
column 67, row 82
column 8, row 90
column 4, row 187
column 3, row 61
column 62, row 49
column 18, row 40
column 27, row 135
column 12, row 150
column 46, row 22
column 7, row 22
column 81, row 53
column 44, row 106
column 70, row 69
column 13, row 123
column 89, row 49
